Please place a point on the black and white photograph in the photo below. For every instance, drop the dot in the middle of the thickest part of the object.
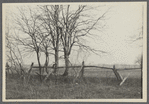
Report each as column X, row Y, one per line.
column 74, row 52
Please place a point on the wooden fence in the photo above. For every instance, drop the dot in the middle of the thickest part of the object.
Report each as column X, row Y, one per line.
column 118, row 76
column 88, row 67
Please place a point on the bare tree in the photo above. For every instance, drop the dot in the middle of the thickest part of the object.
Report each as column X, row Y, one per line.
column 139, row 37
column 62, row 26
column 13, row 54
column 29, row 25
column 50, row 18
column 139, row 60
column 74, row 25
column 46, row 50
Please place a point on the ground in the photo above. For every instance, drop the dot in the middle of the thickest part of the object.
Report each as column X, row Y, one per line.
column 98, row 84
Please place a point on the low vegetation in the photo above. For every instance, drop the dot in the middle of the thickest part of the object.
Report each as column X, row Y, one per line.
column 98, row 84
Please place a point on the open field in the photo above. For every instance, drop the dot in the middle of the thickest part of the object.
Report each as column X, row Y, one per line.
column 99, row 84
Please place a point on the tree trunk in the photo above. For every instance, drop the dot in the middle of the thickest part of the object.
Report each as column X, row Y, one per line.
column 66, row 65
column 47, row 61
column 56, row 61
column 38, row 59
column 141, row 64
column 56, row 15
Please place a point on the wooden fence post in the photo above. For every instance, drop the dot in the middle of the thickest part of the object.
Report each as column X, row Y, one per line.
column 27, row 74
column 7, row 68
column 117, row 74
column 82, row 70
column 80, row 75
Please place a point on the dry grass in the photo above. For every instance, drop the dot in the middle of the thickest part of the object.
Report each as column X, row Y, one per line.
column 99, row 85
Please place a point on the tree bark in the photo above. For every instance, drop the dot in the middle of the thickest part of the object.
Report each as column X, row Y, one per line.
column 38, row 59
column 56, row 15
column 47, row 61
column 56, row 61
column 66, row 65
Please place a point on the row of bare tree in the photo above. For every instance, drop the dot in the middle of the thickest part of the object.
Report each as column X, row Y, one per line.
column 51, row 29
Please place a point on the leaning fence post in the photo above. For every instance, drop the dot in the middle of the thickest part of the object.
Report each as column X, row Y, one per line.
column 116, row 73
column 29, row 71
column 80, row 75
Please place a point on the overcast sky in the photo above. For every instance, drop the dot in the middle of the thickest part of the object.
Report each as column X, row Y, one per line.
column 123, row 24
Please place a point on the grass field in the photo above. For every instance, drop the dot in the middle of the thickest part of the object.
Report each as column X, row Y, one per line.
column 100, row 84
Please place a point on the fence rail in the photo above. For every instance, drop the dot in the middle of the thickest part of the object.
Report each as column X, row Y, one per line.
column 89, row 67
